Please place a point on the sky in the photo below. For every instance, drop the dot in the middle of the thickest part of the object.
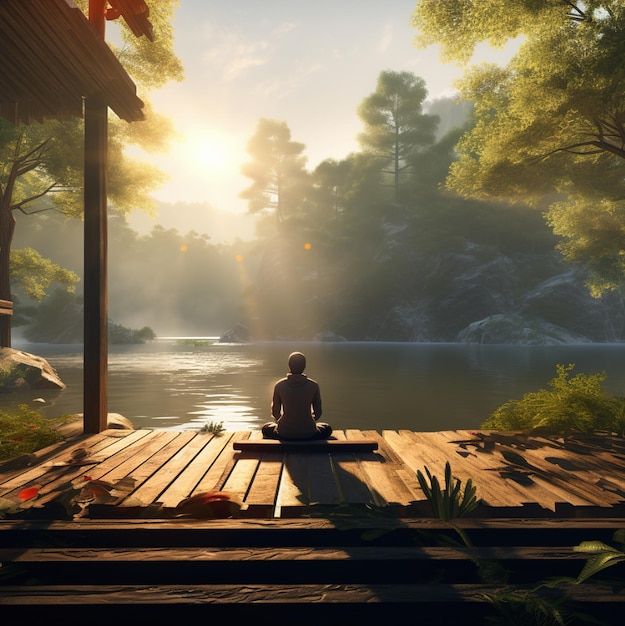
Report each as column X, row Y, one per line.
column 308, row 64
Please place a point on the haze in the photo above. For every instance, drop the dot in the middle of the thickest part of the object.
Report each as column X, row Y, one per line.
column 308, row 64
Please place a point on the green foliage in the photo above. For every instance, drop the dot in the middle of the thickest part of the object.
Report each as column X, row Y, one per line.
column 601, row 556
column 26, row 431
column 549, row 124
column 396, row 130
column 451, row 502
column 33, row 275
column 215, row 428
column 579, row 403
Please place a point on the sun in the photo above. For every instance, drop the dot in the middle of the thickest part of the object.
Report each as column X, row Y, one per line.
column 204, row 152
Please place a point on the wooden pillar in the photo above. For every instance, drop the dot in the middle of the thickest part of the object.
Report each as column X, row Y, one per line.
column 95, row 379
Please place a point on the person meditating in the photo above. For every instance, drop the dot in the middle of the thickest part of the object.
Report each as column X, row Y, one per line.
column 296, row 406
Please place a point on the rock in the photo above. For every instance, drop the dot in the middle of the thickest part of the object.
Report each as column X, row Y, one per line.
column 76, row 426
column 26, row 371
column 514, row 329
column 237, row 334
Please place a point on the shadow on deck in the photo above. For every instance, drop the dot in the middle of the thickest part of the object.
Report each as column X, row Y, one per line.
column 335, row 536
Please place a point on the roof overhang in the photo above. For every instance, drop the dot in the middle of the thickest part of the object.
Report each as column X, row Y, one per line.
column 52, row 58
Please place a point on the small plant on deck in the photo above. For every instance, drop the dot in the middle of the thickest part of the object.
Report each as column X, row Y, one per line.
column 215, row 428
column 451, row 502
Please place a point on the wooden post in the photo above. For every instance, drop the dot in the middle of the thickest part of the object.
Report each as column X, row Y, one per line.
column 95, row 380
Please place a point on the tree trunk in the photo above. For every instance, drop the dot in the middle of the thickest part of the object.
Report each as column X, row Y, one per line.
column 7, row 228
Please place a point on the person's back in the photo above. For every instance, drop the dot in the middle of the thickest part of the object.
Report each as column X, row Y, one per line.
column 296, row 406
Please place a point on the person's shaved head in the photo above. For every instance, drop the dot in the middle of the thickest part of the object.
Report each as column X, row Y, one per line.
column 297, row 362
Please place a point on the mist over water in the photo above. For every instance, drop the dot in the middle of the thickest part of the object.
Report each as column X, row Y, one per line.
column 183, row 384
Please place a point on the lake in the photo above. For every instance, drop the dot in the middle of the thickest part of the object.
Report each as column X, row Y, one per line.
column 182, row 383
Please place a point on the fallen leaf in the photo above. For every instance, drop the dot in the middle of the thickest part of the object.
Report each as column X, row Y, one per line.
column 29, row 492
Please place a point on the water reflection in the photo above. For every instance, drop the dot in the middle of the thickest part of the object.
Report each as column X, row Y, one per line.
column 177, row 384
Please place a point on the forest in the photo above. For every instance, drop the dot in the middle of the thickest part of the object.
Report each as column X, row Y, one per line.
column 495, row 217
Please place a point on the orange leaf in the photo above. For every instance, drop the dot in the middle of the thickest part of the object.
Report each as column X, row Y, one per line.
column 28, row 493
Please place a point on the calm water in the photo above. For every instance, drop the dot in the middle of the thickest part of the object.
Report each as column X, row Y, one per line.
column 171, row 383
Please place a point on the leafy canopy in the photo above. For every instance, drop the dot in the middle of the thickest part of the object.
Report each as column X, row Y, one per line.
column 551, row 124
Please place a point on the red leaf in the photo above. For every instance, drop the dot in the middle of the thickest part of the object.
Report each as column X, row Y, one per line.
column 28, row 493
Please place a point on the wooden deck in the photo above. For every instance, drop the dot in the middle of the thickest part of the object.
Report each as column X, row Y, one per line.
column 326, row 534
column 148, row 473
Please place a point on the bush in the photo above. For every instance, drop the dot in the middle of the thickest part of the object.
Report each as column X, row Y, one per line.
column 579, row 403
column 26, row 431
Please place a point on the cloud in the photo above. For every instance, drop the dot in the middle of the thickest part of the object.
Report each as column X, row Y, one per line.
column 387, row 38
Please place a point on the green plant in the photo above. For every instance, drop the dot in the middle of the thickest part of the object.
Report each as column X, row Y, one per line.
column 602, row 555
column 579, row 403
column 448, row 503
column 26, row 431
column 215, row 428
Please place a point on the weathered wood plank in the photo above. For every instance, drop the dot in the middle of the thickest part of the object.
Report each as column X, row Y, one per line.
column 242, row 474
column 264, row 487
column 307, row 594
column 154, row 475
column 498, row 488
column 515, row 452
column 324, row 489
column 294, row 489
column 287, row 553
column 384, row 482
column 184, row 485
column 352, row 482
column 217, row 474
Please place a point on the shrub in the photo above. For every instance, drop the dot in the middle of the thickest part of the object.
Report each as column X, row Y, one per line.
column 579, row 403
column 26, row 431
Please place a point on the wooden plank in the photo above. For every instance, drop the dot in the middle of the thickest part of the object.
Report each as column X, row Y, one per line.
column 155, row 474
column 294, row 490
column 264, row 488
column 216, row 555
column 384, row 482
column 242, row 474
column 497, row 489
column 219, row 471
column 20, row 478
column 534, row 460
column 324, row 489
column 270, row 596
column 352, row 482
column 184, row 485
column 549, row 479
column 128, row 459
column 329, row 445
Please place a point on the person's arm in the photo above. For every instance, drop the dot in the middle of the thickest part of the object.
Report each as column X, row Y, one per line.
column 316, row 404
column 276, row 404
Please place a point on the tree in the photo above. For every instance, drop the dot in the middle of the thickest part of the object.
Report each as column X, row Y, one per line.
column 549, row 126
column 396, row 128
column 277, row 170
column 39, row 160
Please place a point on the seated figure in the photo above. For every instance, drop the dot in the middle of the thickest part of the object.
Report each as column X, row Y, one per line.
column 296, row 406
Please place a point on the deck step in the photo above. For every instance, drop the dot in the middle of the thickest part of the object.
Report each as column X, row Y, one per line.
column 349, row 572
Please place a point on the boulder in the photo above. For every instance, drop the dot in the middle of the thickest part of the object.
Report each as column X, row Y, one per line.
column 515, row 329
column 76, row 426
column 237, row 334
column 23, row 371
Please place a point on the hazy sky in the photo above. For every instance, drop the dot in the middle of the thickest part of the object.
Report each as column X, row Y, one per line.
column 309, row 64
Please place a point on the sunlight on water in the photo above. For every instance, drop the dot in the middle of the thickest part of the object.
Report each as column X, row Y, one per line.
column 184, row 384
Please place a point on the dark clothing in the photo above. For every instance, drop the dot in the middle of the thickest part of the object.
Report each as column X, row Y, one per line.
column 296, row 407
